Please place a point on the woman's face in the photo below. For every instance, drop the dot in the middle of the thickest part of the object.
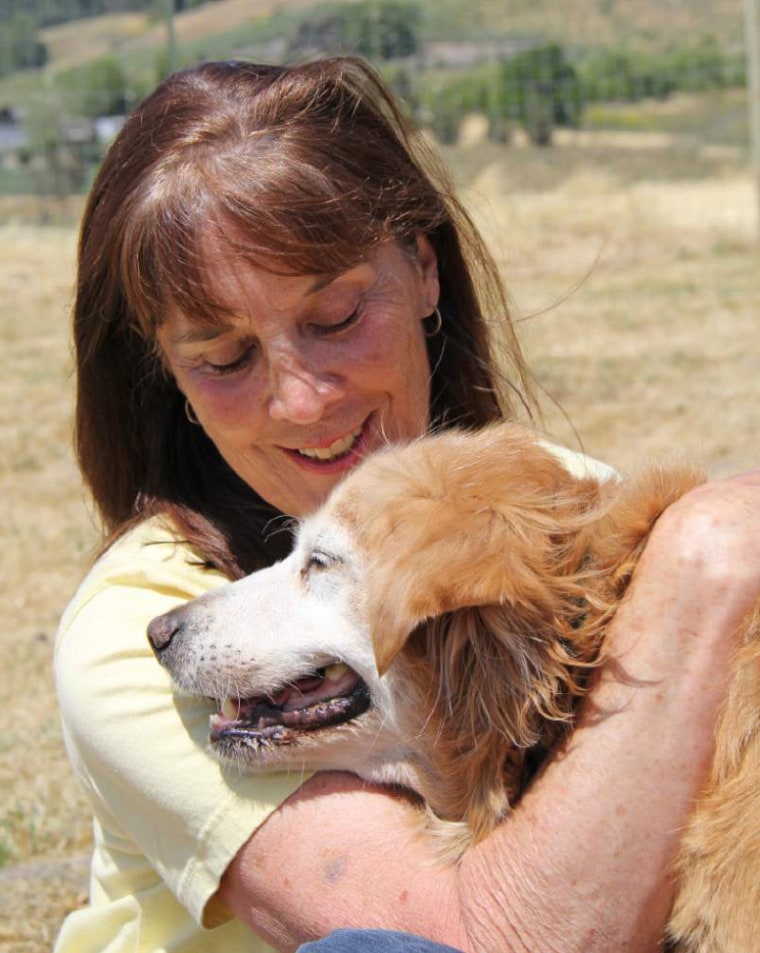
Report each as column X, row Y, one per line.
column 306, row 376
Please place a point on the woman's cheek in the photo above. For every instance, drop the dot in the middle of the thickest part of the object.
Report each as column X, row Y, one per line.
column 228, row 407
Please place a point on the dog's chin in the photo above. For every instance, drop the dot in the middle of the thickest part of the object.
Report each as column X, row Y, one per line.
column 256, row 729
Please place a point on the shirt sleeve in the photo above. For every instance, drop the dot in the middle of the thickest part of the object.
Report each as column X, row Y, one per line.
column 162, row 803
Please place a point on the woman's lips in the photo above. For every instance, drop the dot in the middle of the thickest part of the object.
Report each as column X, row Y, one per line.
column 337, row 448
column 339, row 454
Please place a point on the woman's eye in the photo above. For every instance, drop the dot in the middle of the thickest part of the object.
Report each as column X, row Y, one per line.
column 229, row 367
column 336, row 327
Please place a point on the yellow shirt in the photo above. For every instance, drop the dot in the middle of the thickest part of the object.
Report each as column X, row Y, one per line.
column 167, row 818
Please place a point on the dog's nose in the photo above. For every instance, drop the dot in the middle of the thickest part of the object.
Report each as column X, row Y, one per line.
column 162, row 630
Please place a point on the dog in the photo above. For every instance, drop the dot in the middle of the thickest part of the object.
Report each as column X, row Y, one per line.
column 436, row 626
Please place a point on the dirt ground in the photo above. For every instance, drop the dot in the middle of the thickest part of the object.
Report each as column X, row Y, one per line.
column 634, row 274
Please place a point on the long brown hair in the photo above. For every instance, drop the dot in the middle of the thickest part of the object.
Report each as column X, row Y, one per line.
column 303, row 169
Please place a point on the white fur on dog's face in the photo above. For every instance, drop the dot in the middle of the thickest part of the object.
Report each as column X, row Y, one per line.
column 260, row 635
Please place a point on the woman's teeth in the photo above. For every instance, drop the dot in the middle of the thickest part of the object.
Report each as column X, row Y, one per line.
column 336, row 449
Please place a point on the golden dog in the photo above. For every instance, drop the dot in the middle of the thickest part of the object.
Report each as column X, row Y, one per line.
column 435, row 627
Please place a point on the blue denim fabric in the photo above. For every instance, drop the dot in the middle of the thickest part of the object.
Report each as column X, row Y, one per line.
column 373, row 941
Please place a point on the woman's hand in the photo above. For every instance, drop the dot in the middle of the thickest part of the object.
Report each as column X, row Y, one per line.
column 712, row 537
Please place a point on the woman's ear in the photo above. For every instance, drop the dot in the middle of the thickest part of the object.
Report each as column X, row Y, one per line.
column 428, row 265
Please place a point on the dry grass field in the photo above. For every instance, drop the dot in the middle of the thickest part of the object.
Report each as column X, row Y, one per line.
column 635, row 278
column 634, row 270
column 646, row 22
column 71, row 43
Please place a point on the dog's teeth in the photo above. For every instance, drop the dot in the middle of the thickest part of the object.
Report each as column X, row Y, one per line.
column 335, row 671
column 230, row 709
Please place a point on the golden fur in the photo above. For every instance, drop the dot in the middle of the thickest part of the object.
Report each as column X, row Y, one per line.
column 482, row 575
column 520, row 569
column 516, row 567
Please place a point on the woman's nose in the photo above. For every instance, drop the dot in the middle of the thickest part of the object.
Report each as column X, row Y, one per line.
column 301, row 394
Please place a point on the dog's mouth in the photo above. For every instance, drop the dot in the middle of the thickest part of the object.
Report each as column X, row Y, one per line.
column 328, row 697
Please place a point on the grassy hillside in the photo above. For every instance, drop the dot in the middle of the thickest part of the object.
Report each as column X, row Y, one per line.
column 227, row 25
column 260, row 29
column 75, row 42
column 104, row 64
column 592, row 22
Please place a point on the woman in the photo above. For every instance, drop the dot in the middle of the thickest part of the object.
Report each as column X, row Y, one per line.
column 274, row 279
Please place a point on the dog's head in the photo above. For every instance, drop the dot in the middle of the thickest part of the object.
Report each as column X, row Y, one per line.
column 285, row 652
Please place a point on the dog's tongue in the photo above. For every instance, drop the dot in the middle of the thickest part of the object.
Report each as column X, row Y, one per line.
column 297, row 694
column 334, row 680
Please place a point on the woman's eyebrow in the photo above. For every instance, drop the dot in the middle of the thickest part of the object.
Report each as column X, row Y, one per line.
column 324, row 281
column 321, row 282
column 200, row 334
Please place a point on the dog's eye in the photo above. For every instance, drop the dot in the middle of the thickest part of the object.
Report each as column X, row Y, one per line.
column 319, row 560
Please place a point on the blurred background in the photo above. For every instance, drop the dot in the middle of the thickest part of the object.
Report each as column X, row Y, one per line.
column 605, row 147
column 70, row 69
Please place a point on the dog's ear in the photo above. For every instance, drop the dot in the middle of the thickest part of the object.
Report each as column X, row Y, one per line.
column 463, row 520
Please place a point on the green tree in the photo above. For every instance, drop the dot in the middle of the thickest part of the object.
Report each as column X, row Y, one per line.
column 61, row 150
column 540, row 88
column 377, row 29
column 20, row 48
column 98, row 88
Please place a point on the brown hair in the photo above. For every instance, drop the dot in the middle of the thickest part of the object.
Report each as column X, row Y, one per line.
column 301, row 168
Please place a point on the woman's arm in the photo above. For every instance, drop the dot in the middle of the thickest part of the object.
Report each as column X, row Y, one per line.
column 584, row 862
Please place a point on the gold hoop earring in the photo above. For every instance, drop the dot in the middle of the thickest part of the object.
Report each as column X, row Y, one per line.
column 190, row 413
column 436, row 312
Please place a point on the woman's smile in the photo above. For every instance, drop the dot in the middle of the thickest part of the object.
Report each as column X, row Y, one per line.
column 334, row 451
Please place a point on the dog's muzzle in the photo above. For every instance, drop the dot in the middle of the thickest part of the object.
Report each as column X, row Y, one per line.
column 331, row 696
column 277, row 715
